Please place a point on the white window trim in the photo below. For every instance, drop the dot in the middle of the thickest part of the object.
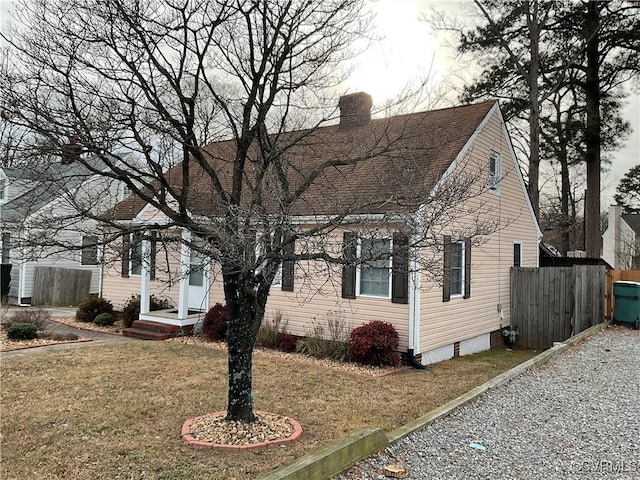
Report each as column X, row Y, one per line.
column 462, row 276
column 277, row 279
column 494, row 178
column 513, row 252
column 358, row 274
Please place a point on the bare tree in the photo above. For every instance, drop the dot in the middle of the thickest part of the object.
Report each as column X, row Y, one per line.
column 143, row 86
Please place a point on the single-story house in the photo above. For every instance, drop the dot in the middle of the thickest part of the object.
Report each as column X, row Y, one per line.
column 453, row 299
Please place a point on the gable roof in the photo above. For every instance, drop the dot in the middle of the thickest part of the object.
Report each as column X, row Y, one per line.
column 42, row 186
column 400, row 160
column 633, row 220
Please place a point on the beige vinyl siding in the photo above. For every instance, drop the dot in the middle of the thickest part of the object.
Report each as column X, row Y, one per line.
column 119, row 289
column 317, row 296
column 444, row 323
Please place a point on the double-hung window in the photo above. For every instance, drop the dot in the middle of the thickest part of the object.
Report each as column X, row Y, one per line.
column 457, row 269
column 494, row 171
column 375, row 270
column 132, row 254
column 376, row 267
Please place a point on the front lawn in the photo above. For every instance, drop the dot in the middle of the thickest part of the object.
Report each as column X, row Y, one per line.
column 115, row 412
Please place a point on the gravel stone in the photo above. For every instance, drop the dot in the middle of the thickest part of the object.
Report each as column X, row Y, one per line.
column 577, row 417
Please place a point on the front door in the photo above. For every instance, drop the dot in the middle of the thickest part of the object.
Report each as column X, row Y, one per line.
column 198, row 280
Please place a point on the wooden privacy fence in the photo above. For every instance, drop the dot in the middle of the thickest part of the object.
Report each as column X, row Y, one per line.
column 616, row 276
column 549, row 304
column 60, row 286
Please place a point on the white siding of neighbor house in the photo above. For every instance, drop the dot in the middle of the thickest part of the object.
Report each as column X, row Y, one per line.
column 445, row 323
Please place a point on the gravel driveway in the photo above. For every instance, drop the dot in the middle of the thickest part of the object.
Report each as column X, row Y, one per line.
column 577, row 417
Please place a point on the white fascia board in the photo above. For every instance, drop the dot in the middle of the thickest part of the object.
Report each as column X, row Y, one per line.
column 467, row 146
column 494, row 110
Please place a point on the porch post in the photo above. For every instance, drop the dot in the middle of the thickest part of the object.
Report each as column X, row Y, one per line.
column 185, row 260
column 145, row 277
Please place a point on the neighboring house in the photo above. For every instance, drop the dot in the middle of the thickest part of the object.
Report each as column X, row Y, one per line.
column 456, row 308
column 621, row 240
column 41, row 223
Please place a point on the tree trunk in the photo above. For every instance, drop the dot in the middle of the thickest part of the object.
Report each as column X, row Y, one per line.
column 592, row 239
column 564, row 198
column 246, row 310
column 534, row 118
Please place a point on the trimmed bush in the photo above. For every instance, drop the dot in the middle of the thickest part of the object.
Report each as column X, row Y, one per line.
column 104, row 320
column 22, row 331
column 91, row 307
column 131, row 309
column 374, row 343
column 214, row 325
column 286, row 342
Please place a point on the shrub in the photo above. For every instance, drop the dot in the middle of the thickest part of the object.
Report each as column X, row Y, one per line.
column 22, row 331
column 214, row 325
column 374, row 343
column 104, row 320
column 38, row 317
column 340, row 352
column 131, row 309
column 91, row 307
column 316, row 347
column 268, row 333
column 285, row 342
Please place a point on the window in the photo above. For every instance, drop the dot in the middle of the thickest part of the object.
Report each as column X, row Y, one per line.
column 376, row 267
column 375, row 272
column 517, row 254
column 132, row 254
column 494, row 171
column 6, row 248
column 457, row 269
column 89, row 250
column 284, row 276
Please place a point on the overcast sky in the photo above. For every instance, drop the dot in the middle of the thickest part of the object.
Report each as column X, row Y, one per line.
column 408, row 50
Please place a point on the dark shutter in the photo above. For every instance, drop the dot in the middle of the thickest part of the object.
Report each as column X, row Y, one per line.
column 400, row 269
column 467, row 268
column 125, row 256
column 349, row 270
column 287, row 267
column 446, row 275
column 152, row 255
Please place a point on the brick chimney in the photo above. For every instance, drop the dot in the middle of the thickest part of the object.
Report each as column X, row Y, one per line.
column 355, row 110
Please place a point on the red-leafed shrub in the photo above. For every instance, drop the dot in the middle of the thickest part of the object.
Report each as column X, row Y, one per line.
column 286, row 342
column 374, row 343
column 214, row 326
